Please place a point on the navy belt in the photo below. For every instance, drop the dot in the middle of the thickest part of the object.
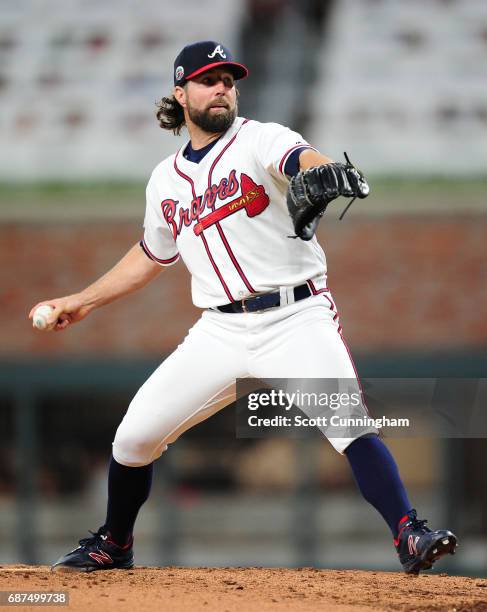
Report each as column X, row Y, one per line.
column 265, row 301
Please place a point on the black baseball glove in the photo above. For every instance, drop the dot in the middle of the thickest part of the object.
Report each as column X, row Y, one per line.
column 310, row 192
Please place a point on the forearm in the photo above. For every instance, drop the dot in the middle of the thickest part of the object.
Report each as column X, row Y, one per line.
column 310, row 158
column 132, row 272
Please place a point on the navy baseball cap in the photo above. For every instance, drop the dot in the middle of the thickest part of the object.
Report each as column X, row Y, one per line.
column 202, row 56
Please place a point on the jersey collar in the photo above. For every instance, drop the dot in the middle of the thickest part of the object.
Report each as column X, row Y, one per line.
column 213, row 148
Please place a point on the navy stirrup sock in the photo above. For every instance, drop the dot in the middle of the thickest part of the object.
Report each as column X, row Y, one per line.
column 378, row 479
column 128, row 489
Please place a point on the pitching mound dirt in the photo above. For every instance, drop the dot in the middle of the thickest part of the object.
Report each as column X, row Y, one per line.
column 249, row 589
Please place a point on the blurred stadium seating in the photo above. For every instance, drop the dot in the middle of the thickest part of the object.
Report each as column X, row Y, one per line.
column 78, row 94
column 405, row 83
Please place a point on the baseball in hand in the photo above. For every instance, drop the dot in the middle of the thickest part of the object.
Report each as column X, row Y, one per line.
column 40, row 318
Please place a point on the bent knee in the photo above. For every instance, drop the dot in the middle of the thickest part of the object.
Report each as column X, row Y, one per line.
column 134, row 450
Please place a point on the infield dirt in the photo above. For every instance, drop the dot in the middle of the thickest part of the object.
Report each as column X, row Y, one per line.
column 249, row 589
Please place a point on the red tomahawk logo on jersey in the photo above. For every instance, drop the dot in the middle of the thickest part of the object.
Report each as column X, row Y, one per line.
column 253, row 200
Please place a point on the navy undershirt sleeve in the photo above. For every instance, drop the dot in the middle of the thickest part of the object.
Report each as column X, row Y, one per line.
column 291, row 167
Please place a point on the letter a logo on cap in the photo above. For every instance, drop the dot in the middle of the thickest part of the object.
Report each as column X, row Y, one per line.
column 218, row 49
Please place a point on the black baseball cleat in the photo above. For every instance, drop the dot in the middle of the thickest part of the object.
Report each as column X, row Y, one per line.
column 96, row 553
column 419, row 547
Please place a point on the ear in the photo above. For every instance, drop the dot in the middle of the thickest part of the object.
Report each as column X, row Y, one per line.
column 180, row 94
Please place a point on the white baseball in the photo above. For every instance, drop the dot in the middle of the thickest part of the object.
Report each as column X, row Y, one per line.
column 40, row 318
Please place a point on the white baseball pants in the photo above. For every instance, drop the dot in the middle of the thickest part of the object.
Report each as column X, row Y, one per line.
column 300, row 340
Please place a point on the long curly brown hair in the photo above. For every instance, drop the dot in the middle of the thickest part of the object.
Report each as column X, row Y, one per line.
column 170, row 115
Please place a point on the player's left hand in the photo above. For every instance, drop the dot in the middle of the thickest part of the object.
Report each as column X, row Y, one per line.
column 310, row 192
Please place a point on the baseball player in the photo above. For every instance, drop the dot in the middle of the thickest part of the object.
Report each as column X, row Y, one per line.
column 228, row 203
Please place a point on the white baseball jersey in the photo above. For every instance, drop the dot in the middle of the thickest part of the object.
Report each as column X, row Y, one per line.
column 227, row 217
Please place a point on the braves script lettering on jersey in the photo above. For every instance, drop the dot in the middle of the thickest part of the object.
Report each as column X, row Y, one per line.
column 226, row 217
column 239, row 247
column 219, row 203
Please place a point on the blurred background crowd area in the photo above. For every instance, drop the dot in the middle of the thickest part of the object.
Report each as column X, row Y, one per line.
column 401, row 87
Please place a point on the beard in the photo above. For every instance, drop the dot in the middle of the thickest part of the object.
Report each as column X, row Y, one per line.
column 213, row 123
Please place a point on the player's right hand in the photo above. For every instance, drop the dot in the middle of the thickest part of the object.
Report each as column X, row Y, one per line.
column 66, row 310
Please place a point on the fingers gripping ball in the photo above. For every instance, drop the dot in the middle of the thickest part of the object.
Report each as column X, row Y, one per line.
column 40, row 319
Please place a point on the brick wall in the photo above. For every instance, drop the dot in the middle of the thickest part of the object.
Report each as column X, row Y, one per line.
column 399, row 282
column 410, row 282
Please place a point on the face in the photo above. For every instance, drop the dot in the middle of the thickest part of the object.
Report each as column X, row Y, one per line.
column 210, row 100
